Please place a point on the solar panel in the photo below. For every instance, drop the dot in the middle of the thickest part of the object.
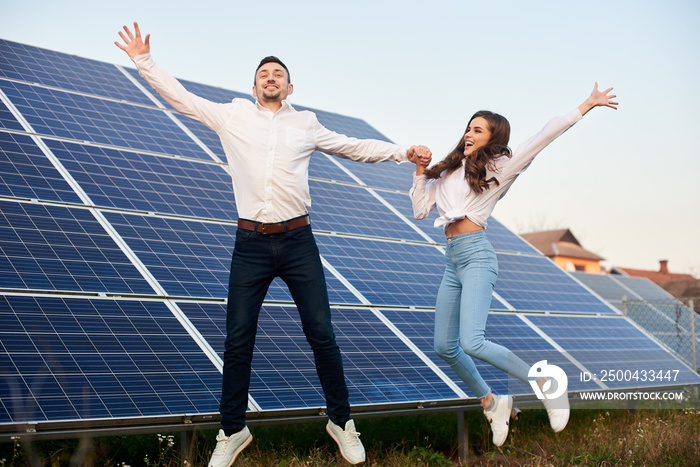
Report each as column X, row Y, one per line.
column 49, row 68
column 27, row 173
column 366, row 214
column 78, row 358
column 64, row 249
column 504, row 329
column 386, row 273
column 532, row 283
column 145, row 182
column 651, row 307
column 605, row 345
column 605, row 286
column 643, row 288
column 85, row 118
column 116, row 233
column 379, row 368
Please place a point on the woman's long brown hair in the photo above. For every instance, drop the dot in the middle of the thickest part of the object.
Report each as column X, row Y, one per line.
column 482, row 158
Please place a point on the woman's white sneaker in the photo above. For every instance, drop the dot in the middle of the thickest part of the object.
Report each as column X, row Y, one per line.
column 558, row 411
column 498, row 417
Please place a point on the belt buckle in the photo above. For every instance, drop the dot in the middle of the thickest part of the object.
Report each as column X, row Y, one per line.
column 262, row 229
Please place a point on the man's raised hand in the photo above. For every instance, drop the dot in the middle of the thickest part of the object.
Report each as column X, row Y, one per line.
column 134, row 46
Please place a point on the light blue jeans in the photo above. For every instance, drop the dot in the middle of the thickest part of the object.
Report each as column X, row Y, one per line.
column 462, row 308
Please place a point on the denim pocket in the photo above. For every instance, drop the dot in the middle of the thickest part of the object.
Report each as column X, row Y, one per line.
column 302, row 233
column 243, row 235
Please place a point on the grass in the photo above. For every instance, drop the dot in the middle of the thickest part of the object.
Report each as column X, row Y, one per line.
column 649, row 437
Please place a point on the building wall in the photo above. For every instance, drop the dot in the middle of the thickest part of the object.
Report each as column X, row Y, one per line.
column 577, row 264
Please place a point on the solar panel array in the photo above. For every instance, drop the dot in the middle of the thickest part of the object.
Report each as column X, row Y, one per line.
column 651, row 307
column 117, row 222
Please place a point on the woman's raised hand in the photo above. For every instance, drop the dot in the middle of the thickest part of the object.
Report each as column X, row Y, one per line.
column 598, row 98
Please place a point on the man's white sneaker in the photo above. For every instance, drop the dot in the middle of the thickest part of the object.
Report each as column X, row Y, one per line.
column 558, row 411
column 348, row 440
column 498, row 418
column 228, row 447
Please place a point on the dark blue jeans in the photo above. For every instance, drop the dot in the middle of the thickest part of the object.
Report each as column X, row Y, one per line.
column 257, row 260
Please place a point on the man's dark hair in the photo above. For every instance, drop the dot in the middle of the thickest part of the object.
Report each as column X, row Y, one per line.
column 273, row 59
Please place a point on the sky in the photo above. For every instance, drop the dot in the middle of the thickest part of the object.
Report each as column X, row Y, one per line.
column 624, row 181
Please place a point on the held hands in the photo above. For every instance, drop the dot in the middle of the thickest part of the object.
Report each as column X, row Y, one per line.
column 134, row 45
column 421, row 156
column 598, row 98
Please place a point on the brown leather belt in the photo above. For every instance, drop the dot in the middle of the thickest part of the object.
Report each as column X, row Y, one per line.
column 274, row 227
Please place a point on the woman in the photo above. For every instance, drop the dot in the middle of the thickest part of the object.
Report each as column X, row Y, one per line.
column 465, row 187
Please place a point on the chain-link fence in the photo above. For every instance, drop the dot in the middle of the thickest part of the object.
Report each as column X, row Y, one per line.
column 672, row 322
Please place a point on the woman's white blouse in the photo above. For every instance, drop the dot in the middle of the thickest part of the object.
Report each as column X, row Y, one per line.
column 451, row 193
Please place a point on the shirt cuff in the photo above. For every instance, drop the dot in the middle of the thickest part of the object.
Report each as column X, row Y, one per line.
column 144, row 60
column 401, row 154
column 574, row 116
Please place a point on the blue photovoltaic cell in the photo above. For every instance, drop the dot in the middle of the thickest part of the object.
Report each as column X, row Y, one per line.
column 354, row 210
column 74, row 116
column 49, row 68
column 503, row 329
column 63, row 358
column 532, row 283
column 193, row 258
column 28, row 173
column 128, row 180
column 610, row 344
column 7, row 120
column 386, row 273
column 379, row 368
column 46, row 247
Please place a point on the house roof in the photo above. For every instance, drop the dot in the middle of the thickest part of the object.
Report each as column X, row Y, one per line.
column 654, row 276
column 559, row 243
column 684, row 288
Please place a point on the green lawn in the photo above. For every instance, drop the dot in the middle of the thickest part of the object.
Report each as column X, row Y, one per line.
column 652, row 437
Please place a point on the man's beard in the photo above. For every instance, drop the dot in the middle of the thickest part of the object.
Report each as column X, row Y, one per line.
column 272, row 94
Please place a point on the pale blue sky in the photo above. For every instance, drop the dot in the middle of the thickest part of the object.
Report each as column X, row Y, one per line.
column 626, row 182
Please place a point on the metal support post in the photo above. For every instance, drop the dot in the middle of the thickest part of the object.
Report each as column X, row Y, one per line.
column 186, row 444
column 624, row 305
column 693, row 349
column 462, row 436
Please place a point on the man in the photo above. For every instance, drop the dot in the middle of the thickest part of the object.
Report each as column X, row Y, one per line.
column 268, row 146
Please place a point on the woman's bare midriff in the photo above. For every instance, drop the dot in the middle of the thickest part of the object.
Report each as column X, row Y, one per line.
column 462, row 226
